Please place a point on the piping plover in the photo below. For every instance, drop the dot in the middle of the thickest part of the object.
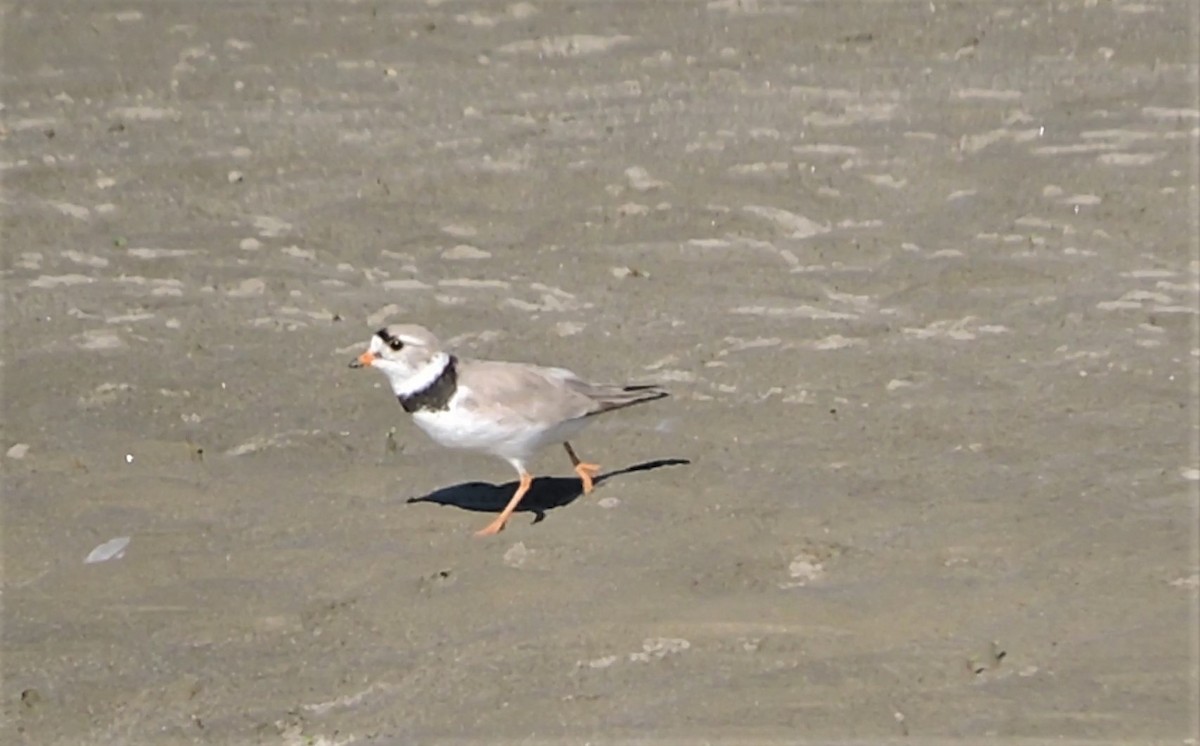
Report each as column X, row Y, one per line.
column 509, row 410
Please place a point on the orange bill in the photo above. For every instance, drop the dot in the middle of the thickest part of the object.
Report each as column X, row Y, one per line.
column 364, row 360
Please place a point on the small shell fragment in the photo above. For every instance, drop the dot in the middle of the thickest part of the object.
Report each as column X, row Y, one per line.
column 111, row 549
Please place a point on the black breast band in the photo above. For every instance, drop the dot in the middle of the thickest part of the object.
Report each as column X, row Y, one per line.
column 436, row 396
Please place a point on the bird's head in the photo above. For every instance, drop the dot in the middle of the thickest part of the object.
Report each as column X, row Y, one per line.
column 409, row 355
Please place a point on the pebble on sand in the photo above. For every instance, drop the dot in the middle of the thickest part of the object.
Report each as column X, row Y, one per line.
column 517, row 555
column 660, row 647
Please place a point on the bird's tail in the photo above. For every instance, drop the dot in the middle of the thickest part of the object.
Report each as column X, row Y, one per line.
column 609, row 398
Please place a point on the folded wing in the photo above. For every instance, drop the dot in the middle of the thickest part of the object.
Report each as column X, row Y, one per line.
column 547, row 394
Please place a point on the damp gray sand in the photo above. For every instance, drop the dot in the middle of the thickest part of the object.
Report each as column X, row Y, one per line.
column 921, row 277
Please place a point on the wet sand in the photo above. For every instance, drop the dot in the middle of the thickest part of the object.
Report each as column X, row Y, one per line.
column 921, row 277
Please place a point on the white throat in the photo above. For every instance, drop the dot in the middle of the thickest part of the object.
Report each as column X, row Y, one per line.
column 422, row 379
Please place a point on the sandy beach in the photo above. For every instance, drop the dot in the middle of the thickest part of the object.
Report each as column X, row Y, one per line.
column 922, row 279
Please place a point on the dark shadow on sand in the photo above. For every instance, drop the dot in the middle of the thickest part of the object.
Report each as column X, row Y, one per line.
column 546, row 493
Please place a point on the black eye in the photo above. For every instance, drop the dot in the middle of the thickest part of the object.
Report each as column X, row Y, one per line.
column 396, row 344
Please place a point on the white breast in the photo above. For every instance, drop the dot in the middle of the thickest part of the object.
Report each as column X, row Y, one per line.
column 455, row 428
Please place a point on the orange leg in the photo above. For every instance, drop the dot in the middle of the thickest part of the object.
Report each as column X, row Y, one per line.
column 497, row 525
column 585, row 471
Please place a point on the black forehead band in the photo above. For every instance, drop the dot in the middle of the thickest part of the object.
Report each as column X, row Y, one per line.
column 383, row 334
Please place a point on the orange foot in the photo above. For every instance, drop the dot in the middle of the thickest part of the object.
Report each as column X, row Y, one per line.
column 492, row 528
column 497, row 525
column 586, row 472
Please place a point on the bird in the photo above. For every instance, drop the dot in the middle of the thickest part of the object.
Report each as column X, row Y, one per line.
column 505, row 409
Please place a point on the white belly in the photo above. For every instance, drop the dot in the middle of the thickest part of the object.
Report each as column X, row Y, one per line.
column 457, row 429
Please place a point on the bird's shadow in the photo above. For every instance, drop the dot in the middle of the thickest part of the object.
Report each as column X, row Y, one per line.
column 545, row 494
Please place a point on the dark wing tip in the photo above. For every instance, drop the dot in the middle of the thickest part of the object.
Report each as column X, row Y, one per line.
column 636, row 395
column 649, row 392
